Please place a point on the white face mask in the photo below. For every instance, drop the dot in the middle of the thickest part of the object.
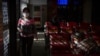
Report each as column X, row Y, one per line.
column 26, row 14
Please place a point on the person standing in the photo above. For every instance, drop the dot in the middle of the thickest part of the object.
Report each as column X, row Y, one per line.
column 27, row 31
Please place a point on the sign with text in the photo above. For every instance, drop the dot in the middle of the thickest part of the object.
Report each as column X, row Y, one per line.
column 5, row 27
column 6, row 41
column 5, row 13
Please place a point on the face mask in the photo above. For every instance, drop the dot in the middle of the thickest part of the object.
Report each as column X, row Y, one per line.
column 25, row 14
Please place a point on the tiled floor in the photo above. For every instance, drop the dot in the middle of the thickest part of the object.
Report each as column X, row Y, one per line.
column 39, row 46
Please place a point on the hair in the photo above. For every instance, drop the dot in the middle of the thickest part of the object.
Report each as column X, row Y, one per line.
column 26, row 9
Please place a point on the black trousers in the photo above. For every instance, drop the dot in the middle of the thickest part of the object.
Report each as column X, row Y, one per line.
column 26, row 45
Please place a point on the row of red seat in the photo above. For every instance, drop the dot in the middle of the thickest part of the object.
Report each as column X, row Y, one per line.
column 73, row 55
column 59, row 42
column 65, row 25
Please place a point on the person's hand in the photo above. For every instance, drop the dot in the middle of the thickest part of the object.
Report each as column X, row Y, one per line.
column 20, row 30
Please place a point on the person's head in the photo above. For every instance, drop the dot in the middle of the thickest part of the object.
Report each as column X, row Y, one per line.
column 26, row 12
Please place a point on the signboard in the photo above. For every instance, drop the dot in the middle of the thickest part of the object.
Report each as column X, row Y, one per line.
column 5, row 13
column 6, row 41
column 5, row 27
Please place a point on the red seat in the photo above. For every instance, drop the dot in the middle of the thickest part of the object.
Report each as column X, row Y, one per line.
column 72, row 24
column 97, row 29
column 95, row 55
column 96, row 37
column 62, row 24
column 58, row 42
column 47, row 24
column 84, row 26
column 52, row 29
column 57, row 54
column 66, row 36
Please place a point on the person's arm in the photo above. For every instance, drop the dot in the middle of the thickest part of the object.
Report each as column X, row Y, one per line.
column 19, row 26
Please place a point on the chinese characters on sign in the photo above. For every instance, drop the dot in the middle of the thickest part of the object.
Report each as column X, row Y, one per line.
column 5, row 13
column 6, row 29
column 6, row 41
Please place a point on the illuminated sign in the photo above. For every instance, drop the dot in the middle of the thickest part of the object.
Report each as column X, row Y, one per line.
column 62, row 2
column 6, row 29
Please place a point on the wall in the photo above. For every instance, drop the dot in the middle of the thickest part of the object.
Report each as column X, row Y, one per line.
column 25, row 1
column 17, row 9
column 52, row 9
column 96, row 12
column 87, row 11
column 38, row 2
column 43, row 6
column 23, row 4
